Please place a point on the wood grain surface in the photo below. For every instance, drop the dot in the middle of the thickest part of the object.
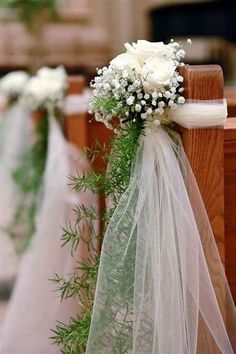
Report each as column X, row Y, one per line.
column 205, row 147
column 230, row 203
column 205, row 151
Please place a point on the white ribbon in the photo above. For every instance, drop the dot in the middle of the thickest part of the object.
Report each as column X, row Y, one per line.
column 200, row 114
column 159, row 290
column 77, row 104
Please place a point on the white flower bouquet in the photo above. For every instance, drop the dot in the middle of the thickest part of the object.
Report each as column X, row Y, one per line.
column 46, row 89
column 140, row 84
column 13, row 84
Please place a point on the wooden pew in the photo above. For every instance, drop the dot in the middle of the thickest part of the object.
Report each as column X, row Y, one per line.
column 230, row 202
column 212, row 155
column 230, row 95
column 205, row 147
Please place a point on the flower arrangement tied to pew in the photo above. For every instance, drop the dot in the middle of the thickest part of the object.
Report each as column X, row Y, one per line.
column 133, row 93
column 42, row 95
column 154, row 278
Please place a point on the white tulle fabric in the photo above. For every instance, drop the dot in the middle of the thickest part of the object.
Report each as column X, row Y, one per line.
column 35, row 306
column 161, row 286
column 16, row 134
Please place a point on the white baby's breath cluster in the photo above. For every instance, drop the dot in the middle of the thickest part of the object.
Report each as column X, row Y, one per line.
column 46, row 89
column 12, row 84
column 142, row 83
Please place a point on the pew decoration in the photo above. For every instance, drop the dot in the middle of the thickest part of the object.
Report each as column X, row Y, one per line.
column 50, row 160
column 158, row 290
column 16, row 129
column 42, row 94
column 13, row 84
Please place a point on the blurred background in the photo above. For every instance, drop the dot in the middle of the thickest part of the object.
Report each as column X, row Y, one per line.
column 85, row 34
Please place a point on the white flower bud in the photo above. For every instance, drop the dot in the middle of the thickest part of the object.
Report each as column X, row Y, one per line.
column 161, row 104
column 180, row 78
column 149, row 111
column 106, row 86
column 146, row 96
column 125, row 74
column 181, row 100
column 130, row 100
column 97, row 116
column 167, row 94
column 130, row 88
column 143, row 115
column 140, row 96
column 138, row 107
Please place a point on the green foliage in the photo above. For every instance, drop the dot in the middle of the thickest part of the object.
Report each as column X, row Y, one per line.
column 29, row 10
column 28, row 178
column 72, row 337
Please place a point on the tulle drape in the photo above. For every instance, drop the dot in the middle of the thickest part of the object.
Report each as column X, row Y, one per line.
column 35, row 306
column 161, row 286
column 16, row 134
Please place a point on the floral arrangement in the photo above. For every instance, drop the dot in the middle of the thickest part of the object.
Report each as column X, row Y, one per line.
column 139, row 84
column 46, row 89
column 131, row 96
column 13, row 84
column 42, row 93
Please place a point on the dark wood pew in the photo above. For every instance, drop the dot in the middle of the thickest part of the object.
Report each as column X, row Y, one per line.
column 230, row 95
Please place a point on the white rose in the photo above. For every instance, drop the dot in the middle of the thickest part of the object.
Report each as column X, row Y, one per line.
column 13, row 83
column 55, row 74
column 126, row 60
column 43, row 90
column 157, row 72
column 146, row 50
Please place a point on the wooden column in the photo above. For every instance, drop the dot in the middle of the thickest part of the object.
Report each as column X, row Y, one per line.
column 205, row 147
